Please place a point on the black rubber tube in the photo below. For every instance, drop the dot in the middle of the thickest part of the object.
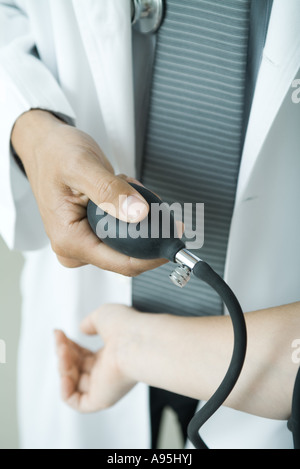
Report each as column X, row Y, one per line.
column 204, row 272
column 295, row 420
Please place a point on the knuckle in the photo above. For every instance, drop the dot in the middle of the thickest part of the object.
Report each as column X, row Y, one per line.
column 124, row 177
column 105, row 404
column 59, row 246
column 68, row 263
column 129, row 268
column 62, row 260
column 57, row 249
column 108, row 188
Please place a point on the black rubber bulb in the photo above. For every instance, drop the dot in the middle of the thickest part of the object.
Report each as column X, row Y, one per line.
column 149, row 239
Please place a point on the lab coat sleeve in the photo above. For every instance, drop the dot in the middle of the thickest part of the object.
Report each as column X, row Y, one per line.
column 25, row 83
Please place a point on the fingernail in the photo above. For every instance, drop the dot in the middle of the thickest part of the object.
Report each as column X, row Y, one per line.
column 134, row 209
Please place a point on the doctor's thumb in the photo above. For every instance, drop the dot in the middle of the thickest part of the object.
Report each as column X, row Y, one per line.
column 117, row 198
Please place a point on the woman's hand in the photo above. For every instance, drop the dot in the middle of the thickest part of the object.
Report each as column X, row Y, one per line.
column 95, row 381
column 185, row 355
column 66, row 168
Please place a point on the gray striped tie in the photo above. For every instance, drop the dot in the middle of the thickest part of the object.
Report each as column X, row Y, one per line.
column 195, row 135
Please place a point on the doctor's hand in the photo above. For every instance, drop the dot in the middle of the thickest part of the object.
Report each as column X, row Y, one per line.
column 66, row 168
column 95, row 381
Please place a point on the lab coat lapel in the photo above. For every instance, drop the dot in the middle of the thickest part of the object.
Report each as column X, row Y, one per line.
column 280, row 63
column 106, row 32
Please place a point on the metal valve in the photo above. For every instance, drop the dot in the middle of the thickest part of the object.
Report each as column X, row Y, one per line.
column 147, row 15
column 182, row 272
column 181, row 276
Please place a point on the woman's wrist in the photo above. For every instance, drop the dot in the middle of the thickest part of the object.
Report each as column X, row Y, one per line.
column 128, row 343
column 140, row 345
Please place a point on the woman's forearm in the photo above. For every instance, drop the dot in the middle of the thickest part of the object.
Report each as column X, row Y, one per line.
column 190, row 356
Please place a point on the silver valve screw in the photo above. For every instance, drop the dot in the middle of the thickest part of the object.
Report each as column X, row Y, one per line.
column 181, row 276
column 182, row 273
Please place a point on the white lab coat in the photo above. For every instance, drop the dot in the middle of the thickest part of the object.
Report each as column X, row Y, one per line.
column 85, row 74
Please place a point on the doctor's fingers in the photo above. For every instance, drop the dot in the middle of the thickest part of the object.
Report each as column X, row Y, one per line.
column 111, row 193
column 69, row 263
column 123, row 265
column 134, row 181
column 100, row 255
column 78, row 246
column 112, row 261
